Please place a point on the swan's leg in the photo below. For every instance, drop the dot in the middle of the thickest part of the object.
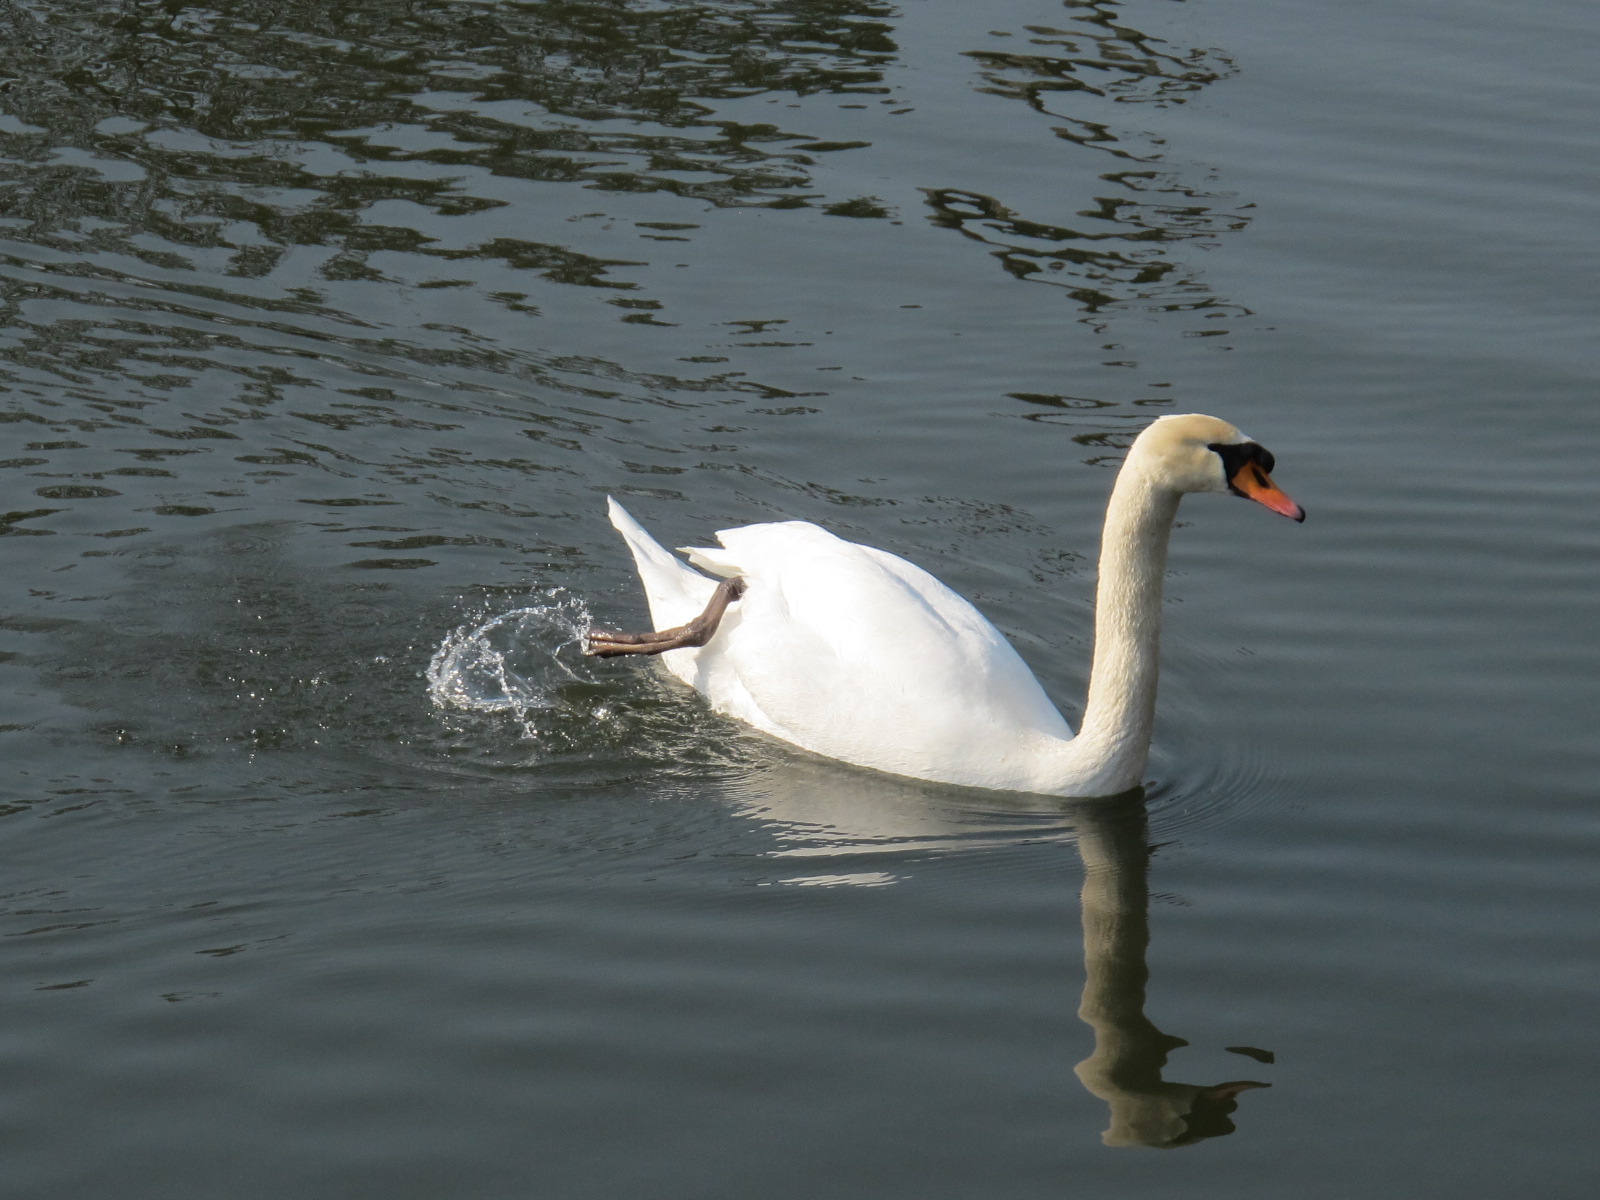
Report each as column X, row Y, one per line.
column 606, row 643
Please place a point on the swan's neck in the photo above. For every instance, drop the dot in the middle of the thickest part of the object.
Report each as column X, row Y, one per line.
column 1108, row 755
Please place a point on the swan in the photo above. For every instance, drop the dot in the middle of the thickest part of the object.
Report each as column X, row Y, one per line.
column 858, row 655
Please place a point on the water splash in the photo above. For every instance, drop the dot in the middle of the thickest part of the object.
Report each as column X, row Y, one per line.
column 518, row 663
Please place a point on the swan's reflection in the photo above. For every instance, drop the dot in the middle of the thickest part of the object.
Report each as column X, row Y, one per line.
column 818, row 808
column 1129, row 1051
column 815, row 807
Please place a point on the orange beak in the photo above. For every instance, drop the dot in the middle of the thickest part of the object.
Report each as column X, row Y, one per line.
column 1255, row 484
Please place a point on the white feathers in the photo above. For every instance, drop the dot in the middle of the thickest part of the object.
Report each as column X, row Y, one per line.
column 851, row 653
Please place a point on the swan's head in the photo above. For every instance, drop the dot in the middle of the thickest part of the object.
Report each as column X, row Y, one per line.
column 1196, row 453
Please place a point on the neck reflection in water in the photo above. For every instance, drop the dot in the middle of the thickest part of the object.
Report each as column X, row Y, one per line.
column 1129, row 1051
column 828, row 812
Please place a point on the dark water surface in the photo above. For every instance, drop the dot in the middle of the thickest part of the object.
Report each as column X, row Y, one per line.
column 331, row 870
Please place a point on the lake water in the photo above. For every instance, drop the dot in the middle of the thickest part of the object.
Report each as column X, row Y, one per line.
column 331, row 869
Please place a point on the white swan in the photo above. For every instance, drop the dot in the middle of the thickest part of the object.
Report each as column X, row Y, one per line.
column 855, row 654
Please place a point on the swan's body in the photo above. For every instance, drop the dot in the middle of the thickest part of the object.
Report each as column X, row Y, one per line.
column 855, row 654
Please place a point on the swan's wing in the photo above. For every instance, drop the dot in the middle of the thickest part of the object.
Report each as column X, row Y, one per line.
column 859, row 655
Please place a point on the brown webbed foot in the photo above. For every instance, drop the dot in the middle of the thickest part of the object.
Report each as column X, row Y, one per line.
column 607, row 643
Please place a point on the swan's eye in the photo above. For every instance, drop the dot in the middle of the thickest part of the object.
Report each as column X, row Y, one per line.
column 1239, row 455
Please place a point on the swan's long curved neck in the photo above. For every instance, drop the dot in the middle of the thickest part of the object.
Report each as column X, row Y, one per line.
column 1109, row 753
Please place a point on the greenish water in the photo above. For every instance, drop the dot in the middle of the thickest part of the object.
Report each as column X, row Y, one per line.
column 326, row 330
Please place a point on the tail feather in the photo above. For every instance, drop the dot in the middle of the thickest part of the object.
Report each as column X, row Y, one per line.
column 707, row 559
column 676, row 594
